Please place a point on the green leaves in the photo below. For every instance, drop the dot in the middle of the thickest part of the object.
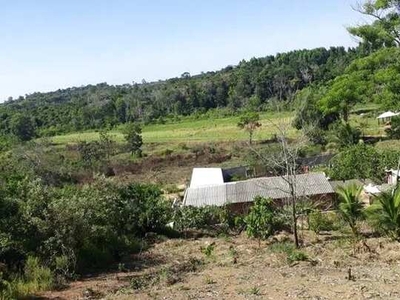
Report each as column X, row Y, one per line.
column 385, row 213
column 133, row 136
column 95, row 223
column 263, row 220
column 346, row 135
column 250, row 122
column 363, row 162
column 385, row 30
column 23, row 127
column 350, row 206
column 373, row 78
column 394, row 130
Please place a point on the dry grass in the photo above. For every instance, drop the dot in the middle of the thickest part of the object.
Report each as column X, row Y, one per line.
column 183, row 271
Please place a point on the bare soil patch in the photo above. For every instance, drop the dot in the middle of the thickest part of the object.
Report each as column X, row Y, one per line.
column 237, row 268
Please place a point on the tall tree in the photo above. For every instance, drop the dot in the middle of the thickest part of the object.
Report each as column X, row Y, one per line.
column 384, row 31
column 23, row 127
column 121, row 110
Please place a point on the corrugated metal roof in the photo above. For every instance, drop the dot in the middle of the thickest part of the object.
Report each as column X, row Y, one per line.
column 246, row 191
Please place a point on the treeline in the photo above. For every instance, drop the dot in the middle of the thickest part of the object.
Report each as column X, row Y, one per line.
column 256, row 84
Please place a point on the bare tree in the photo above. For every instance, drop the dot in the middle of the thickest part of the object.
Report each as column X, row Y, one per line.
column 284, row 163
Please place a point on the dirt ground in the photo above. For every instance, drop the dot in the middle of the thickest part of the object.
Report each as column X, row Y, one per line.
column 238, row 268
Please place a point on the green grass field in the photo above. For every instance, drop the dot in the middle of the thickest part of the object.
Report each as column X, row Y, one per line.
column 192, row 131
column 216, row 130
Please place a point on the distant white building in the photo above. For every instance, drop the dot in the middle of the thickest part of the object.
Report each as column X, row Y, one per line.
column 386, row 116
column 393, row 176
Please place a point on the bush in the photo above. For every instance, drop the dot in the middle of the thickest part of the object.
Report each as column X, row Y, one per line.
column 77, row 227
column 262, row 221
column 319, row 221
column 189, row 217
column 384, row 214
column 351, row 207
column 282, row 247
column 345, row 134
column 297, row 255
column 289, row 249
column 208, row 250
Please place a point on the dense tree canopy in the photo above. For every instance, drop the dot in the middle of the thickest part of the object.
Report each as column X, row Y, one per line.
column 385, row 30
column 255, row 84
column 375, row 78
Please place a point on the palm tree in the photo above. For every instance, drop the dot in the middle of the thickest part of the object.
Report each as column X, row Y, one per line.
column 385, row 213
column 350, row 206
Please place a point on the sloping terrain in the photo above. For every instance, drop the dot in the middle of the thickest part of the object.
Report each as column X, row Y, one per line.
column 238, row 268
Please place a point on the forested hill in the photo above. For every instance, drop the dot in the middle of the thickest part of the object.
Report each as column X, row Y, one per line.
column 253, row 84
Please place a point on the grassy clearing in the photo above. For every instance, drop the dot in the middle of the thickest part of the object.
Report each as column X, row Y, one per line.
column 179, row 137
column 192, row 131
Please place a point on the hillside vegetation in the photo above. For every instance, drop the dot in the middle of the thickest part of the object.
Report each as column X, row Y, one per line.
column 260, row 83
column 90, row 178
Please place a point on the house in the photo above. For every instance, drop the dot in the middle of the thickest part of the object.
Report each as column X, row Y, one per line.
column 386, row 117
column 239, row 196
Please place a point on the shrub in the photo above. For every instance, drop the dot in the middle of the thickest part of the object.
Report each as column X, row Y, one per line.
column 350, row 206
column 91, row 153
column 38, row 274
column 262, row 221
column 289, row 249
column 81, row 227
column 282, row 247
column 36, row 278
column 384, row 214
column 319, row 221
column 345, row 134
column 208, row 250
column 189, row 217
column 297, row 255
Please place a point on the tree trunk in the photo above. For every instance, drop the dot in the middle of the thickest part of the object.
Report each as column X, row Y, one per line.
column 294, row 216
column 346, row 114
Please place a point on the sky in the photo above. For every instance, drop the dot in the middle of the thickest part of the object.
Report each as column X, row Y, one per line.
column 49, row 44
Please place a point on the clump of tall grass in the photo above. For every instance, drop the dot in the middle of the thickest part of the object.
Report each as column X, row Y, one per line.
column 36, row 278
